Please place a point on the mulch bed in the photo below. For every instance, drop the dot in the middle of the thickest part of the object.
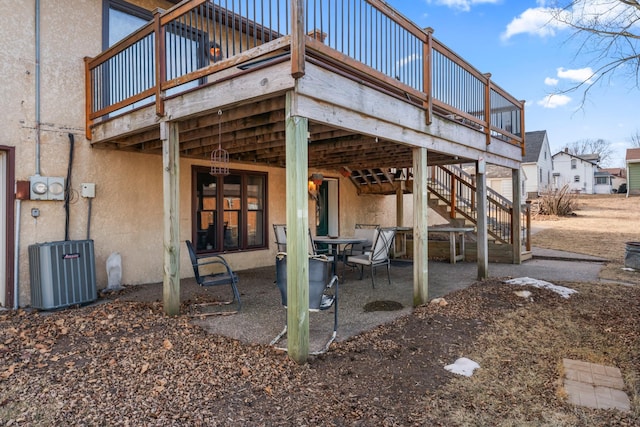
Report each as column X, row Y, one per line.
column 126, row 363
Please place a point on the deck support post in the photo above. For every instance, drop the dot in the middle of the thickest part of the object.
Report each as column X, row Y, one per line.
column 516, row 216
column 297, row 232
column 171, row 223
column 420, row 228
column 481, row 197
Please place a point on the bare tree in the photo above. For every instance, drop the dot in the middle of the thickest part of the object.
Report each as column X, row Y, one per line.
column 602, row 147
column 635, row 139
column 609, row 33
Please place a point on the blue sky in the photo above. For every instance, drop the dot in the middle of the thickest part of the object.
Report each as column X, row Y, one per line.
column 531, row 60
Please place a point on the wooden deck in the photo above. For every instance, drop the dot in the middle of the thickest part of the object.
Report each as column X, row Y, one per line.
column 329, row 91
column 359, row 116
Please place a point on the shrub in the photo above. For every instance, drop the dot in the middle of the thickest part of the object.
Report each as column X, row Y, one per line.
column 559, row 202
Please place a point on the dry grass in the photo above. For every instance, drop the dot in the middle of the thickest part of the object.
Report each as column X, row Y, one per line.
column 601, row 226
column 520, row 380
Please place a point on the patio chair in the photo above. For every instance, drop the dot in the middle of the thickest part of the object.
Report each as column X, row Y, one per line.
column 364, row 231
column 323, row 293
column 280, row 230
column 379, row 254
column 218, row 273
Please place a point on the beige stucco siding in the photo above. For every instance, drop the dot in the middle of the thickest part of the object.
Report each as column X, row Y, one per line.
column 127, row 212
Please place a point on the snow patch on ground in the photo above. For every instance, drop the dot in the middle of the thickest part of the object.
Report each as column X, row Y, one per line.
column 528, row 281
column 463, row 366
column 523, row 294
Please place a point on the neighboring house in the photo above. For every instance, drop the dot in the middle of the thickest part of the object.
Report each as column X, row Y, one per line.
column 537, row 164
column 579, row 172
column 632, row 160
column 126, row 113
column 535, row 170
column 602, row 182
column 618, row 175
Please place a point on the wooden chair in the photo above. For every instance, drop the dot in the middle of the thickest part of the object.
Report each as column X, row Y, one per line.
column 219, row 273
column 323, row 293
column 379, row 254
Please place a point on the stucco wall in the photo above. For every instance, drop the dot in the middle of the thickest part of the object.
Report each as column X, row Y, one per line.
column 127, row 212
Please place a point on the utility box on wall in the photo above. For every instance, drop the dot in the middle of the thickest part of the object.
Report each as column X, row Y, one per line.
column 62, row 274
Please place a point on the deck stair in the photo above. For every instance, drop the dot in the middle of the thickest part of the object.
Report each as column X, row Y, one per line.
column 452, row 194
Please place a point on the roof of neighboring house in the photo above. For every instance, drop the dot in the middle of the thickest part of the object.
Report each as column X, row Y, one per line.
column 619, row 172
column 633, row 154
column 601, row 173
column 532, row 145
column 591, row 158
column 495, row 171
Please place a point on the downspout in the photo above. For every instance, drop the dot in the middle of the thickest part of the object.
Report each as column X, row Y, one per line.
column 16, row 258
column 37, row 83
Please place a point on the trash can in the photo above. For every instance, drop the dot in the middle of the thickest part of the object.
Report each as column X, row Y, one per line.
column 632, row 255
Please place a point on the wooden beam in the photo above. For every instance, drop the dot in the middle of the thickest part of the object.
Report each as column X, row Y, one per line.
column 297, row 234
column 298, row 39
column 481, row 197
column 171, row 208
column 516, row 216
column 420, row 228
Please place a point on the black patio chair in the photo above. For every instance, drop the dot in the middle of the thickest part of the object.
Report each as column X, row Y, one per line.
column 323, row 293
column 218, row 273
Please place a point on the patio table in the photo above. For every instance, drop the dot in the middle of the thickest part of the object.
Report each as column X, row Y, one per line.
column 334, row 243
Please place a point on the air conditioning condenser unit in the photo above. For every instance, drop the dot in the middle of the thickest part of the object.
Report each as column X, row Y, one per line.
column 62, row 274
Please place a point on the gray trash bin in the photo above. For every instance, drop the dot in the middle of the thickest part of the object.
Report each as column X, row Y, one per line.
column 632, row 255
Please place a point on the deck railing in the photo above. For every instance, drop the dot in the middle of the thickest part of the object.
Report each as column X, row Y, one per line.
column 458, row 189
column 182, row 46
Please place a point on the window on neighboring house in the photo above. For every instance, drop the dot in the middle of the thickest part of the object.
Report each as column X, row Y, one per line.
column 602, row 180
column 574, row 163
column 576, row 178
column 230, row 211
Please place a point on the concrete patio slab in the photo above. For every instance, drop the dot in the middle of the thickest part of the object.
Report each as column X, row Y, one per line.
column 595, row 386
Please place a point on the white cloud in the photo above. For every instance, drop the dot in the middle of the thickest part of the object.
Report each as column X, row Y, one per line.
column 408, row 60
column 463, row 5
column 536, row 21
column 550, row 81
column 554, row 101
column 580, row 75
column 545, row 21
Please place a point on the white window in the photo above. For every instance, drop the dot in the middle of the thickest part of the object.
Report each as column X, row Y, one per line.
column 574, row 163
column 576, row 178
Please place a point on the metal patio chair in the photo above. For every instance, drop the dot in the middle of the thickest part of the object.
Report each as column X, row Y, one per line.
column 280, row 231
column 365, row 231
column 323, row 293
column 379, row 254
column 218, row 273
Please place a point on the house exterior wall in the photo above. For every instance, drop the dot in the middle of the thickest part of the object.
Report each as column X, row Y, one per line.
column 127, row 212
column 633, row 178
column 539, row 174
column 584, row 171
column 602, row 188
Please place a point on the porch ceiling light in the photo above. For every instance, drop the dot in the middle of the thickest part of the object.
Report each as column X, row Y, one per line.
column 317, row 179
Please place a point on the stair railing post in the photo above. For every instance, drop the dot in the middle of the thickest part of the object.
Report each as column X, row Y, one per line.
column 453, row 195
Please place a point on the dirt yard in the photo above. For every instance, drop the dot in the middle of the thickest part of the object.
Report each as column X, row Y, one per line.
column 601, row 226
column 125, row 363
